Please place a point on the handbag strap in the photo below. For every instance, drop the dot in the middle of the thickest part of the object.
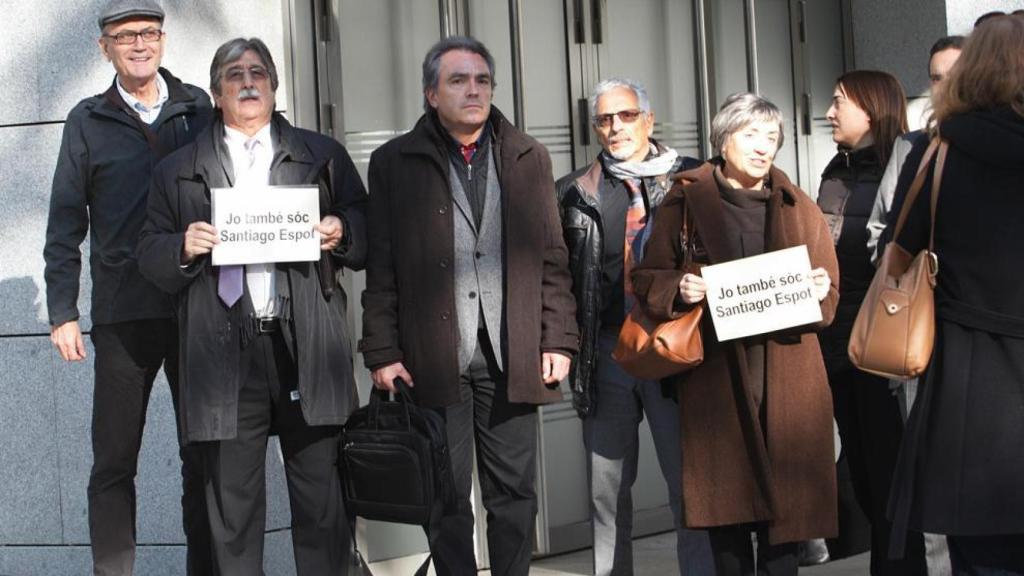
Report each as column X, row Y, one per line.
column 915, row 188
column 686, row 237
column 940, row 164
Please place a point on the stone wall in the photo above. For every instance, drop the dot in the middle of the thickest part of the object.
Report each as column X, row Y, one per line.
column 897, row 36
column 49, row 60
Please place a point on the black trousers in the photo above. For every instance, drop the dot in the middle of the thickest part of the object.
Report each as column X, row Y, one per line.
column 505, row 437
column 871, row 430
column 993, row 555
column 236, row 473
column 128, row 357
column 734, row 552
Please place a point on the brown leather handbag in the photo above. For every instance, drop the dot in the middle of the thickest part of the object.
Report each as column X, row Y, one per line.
column 894, row 332
column 651, row 350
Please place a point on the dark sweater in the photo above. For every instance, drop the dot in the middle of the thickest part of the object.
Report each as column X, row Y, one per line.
column 473, row 174
column 744, row 213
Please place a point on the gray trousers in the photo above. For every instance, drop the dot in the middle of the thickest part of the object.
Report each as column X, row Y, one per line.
column 936, row 549
column 610, row 435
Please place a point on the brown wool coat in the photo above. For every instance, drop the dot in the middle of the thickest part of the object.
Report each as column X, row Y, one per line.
column 409, row 302
column 734, row 470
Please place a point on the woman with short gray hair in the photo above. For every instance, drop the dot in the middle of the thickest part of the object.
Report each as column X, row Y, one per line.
column 756, row 415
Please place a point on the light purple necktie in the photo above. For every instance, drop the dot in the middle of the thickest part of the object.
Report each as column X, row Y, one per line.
column 229, row 282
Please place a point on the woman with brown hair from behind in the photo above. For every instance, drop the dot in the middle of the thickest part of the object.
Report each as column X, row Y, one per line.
column 961, row 464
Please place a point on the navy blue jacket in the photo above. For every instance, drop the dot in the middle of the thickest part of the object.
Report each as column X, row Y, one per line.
column 101, row 186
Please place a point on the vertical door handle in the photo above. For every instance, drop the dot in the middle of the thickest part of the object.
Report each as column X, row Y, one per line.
column 577, row 20
column 325, row 20
column 803, row 21
column 583, row 110
column 327, row 119
column 596, row 22
column 807, row 113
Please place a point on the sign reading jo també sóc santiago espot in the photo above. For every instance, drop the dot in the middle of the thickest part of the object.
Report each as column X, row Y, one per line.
column 761, row 294
column 264, row 224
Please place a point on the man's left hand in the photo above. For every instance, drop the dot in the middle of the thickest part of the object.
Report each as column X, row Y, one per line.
column 554, row 367
column 331, row 231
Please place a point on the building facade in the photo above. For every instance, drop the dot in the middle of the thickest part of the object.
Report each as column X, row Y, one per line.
column 351, row 69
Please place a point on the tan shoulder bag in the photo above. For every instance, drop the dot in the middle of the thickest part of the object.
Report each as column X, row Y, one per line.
column 894, row 332
column 651, row 350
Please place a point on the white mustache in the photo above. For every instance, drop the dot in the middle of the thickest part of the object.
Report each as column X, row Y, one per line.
column 247, row 93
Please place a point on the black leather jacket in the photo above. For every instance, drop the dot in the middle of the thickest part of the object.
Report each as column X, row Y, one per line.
column 580, row 210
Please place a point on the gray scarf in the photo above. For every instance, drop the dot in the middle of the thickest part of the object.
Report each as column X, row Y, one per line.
column 656, row 166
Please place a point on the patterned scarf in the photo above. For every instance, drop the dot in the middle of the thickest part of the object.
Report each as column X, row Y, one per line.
column 632, row 175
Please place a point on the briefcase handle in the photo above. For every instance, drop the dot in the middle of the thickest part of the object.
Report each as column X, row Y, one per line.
column 403, row 395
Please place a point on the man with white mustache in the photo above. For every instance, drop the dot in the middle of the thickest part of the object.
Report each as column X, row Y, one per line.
column 265, row 347
column 606, row 210
column 111, row 143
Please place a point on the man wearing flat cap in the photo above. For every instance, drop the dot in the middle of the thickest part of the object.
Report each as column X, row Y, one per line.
column 111, row 143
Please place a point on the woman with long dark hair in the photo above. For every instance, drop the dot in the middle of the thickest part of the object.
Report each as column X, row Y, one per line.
column 867, row 114
column 961, row 466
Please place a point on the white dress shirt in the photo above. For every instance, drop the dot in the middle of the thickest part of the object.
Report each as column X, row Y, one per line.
column 253, row 170
column 148, row 114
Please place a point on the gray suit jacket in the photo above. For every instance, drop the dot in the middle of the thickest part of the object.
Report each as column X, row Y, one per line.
column 479, row 269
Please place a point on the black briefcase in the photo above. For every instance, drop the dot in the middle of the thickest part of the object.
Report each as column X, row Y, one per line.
column 394, row 460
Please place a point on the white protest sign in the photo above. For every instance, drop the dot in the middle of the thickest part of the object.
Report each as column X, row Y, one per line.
column 761, row 294
column 262, row 224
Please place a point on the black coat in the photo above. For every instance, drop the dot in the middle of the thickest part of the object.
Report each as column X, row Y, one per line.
column 849, row 185
column 409, row 300
column 100, row 186
column 961, row 464
column 579, row 207
column 211, row 335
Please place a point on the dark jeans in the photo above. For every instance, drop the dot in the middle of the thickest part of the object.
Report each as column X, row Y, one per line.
column 734, row 552
column 236, row 473
column 505, row 437
column 612, row 443
column 128, row 357
column 996, row 555
column 871, row 429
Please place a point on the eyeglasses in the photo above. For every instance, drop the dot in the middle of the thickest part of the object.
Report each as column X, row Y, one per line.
column 626, row 116
column 237, row 73
column 149, row 35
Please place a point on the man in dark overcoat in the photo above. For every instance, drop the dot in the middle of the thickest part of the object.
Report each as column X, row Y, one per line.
column 111, row 143
column 468, row 295
column 264, row 347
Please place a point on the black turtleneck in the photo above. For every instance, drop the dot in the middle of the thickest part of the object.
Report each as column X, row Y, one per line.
column 744, row 215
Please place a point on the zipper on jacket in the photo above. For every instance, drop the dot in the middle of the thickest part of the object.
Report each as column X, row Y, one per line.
column 469, row 169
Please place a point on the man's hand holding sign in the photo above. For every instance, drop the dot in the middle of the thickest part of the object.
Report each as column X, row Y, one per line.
column 260, row 225
column 759, row 294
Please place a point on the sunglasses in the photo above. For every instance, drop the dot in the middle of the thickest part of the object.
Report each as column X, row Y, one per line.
column 626, row 116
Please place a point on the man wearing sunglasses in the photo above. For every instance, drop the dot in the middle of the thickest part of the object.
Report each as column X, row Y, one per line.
column 607, row 209
column 101, row 183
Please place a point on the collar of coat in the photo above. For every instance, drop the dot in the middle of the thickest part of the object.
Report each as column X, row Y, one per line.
column 211, row 161
column 861, row 163
column 699, row 189
column 428, row 139
column 590, row 181
column 112, row 105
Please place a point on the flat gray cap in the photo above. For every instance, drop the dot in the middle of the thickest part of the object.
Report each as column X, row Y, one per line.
column 121, row 9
